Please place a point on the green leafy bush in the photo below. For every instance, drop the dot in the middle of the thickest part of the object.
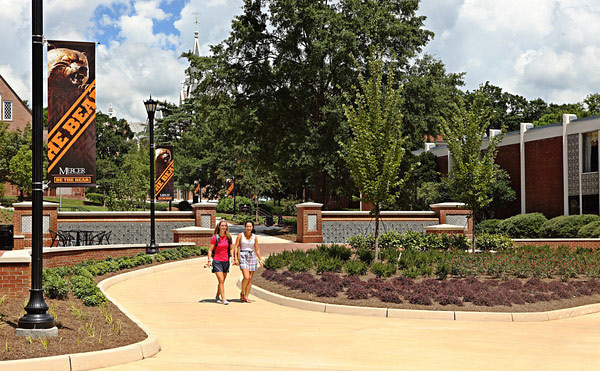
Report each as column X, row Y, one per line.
column 361, row 242
column 330, row 265
column 184, row 206
column 590, row 230
column 496, row 242
column 275, row 261
column 365, row 255
column 523, row 225
column 566, row 226
column 335, row 251
column 55, row 287
column 225, row 205
column 488, row 226
column 96, row 198
column 356, row 267
column 300, row 265
column 383, row 269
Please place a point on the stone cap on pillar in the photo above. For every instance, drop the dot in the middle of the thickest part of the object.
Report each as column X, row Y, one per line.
column 448, row 205
column 193, row 230
column 309, row 204
column 204, row 205
column 29, row 205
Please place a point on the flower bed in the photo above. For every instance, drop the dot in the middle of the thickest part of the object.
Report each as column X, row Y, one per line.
column 513, row 277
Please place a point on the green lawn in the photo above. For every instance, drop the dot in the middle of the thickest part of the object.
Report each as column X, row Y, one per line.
column 69, row 204
column 6, row 216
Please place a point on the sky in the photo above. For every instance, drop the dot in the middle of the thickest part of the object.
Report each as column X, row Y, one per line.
column 547, row 49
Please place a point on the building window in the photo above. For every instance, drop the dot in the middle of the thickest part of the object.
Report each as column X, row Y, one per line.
column 574, row 205
column 590, row 152
column 590, row 204
column 7, row 109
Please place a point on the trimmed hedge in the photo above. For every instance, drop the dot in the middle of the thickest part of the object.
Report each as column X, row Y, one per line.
column 566, row 226
column 488, row 226
column 225, row 205
column 523, row 225
column 590, row 230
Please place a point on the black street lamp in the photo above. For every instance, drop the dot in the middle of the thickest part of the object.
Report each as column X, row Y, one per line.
column 36, row 317
column 151, row 110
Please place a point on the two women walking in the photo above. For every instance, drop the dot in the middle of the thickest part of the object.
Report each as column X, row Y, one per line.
column 245, row 253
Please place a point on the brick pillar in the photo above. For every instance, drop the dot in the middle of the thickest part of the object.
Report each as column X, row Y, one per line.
column 309, row 223
column 450, row 213
column 22, row 221
column 197, row 235
column 205, row 214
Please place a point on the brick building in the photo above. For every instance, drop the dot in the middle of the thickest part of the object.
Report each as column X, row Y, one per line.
column 553, row 169
column 14, row 112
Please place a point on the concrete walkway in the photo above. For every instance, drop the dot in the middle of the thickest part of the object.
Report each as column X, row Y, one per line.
column 196, row 333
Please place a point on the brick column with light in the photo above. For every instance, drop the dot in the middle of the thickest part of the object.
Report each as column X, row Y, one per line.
column 309, row 223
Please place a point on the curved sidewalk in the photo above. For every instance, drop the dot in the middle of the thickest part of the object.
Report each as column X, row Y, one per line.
column 195, row 333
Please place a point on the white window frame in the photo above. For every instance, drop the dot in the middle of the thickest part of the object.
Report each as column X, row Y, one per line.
column 11, row 110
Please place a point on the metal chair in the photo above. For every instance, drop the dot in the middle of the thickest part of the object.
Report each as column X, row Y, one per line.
column 65, row 238
column 106, row 237
column 55, row 238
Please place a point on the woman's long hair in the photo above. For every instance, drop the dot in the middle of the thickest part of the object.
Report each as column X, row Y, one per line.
column 218, row 230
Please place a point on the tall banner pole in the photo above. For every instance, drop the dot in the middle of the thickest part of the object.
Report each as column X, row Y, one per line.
column 36, row 317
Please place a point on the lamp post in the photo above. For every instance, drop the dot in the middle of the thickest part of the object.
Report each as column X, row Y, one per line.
column 36, row 318
column 151, row 110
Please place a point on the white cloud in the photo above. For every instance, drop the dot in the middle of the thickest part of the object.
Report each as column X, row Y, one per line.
column 535, row 48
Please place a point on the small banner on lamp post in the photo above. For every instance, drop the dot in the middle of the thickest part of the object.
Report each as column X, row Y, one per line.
column 165, row 170
column 71, row 114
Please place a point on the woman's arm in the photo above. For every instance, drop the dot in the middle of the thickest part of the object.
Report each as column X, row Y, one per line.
column 236, row 250
column 211, row 248
column 257, row 250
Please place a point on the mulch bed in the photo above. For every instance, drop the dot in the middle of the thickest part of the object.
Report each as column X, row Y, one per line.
column 398, row 292
column 80, row 328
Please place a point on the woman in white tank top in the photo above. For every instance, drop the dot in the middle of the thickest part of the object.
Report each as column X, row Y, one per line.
column 248, row 254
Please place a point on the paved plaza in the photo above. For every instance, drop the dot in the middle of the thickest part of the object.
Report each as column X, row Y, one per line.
column 195, row 333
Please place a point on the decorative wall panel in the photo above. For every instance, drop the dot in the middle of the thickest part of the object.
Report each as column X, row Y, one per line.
column 130, row 232
column 27, row 225
column 312, row 222
column 589, row 184
column 457, row 219
column 205, row 220
column 573, row 164
column 338, row 231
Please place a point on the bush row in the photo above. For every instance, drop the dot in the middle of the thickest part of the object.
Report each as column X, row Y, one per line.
column 536, row 225
column 79, row 278
column 541, row 262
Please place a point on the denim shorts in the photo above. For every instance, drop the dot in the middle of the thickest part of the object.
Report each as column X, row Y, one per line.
column 219, row 266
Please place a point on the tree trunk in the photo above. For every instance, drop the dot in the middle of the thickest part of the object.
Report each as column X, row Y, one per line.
column 377, row 212
column 256, row 211
column 473, row 239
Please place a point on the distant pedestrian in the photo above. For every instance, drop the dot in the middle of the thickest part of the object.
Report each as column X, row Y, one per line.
column 219, row 253
column 247, row 254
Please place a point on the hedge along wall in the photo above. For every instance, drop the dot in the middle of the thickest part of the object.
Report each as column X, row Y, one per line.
column 15, row 266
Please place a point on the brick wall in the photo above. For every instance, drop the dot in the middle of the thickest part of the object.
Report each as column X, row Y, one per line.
column 544, row 182
column 21, row 114
column 442, row 164
column 16, row 279
column 508, row 158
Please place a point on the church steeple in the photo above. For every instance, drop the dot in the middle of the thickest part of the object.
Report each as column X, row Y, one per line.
column 189, row 85
column 196, row 50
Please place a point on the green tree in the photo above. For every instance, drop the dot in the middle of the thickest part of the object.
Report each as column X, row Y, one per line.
column 132, row 183
column 280, row 76
column 21, row 169
column 473, row 171
column 377, row 146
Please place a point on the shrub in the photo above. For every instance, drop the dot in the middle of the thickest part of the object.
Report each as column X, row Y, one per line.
column 566, row 226
column 356, row 267
column 362, row 242
column 225, row 205
column 55, row 287
column 357, row 291
column 383, row 269
column 275, row 261
column 96, row 198
column 495, row 242
column 488, row 226
column 590, row 230
column 365, row 255
column 523, row 225
column 184, row 206
column 329, row 265
column 300, row 265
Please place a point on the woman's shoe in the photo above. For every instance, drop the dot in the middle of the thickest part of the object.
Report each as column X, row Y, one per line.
column 225, row 302
column 242, row 298
column 218, row 299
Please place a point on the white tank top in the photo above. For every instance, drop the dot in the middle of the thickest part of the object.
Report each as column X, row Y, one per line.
column 247, row 245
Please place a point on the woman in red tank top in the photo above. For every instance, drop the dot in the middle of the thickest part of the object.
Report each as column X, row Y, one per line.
column 219, row 253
